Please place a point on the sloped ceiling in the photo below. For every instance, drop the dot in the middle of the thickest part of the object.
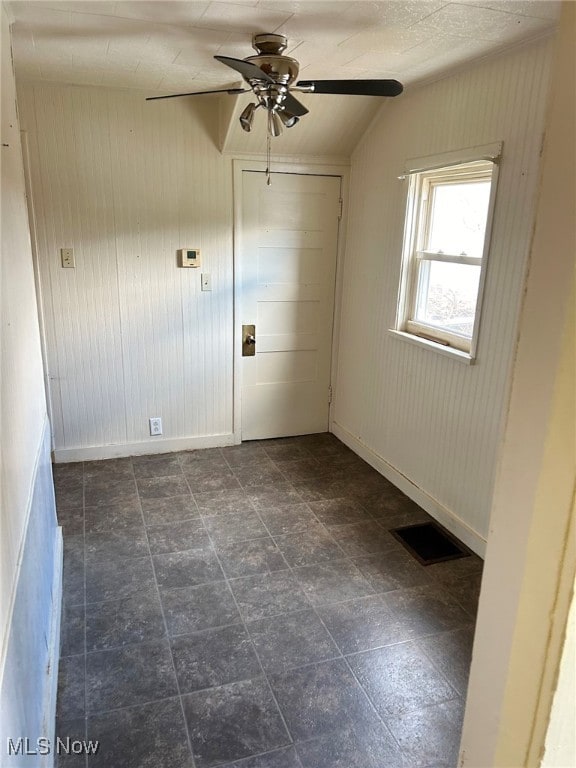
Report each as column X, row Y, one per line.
column 168, row 47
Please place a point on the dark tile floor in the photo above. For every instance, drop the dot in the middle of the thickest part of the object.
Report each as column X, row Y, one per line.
column 248, row 607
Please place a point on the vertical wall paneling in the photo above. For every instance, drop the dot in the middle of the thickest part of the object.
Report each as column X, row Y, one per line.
column 431, row 419
column 30, row 540
column 129, row 334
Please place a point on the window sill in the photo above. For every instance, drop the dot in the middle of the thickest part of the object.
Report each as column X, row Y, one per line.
column 433, row 346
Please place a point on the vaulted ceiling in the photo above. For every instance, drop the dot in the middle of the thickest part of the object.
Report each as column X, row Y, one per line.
column 168, row 46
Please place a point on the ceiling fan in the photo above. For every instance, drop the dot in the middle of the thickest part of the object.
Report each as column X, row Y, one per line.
column 270, row 75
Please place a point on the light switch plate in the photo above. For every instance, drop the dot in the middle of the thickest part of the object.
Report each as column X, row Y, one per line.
column 206, row 283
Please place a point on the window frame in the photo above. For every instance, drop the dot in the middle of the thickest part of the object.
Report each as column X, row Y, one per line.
column 414, row 254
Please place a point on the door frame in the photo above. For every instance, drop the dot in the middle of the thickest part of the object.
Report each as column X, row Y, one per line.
column 300, row 169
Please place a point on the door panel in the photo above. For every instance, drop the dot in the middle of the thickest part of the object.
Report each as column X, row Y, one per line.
column 287, row 261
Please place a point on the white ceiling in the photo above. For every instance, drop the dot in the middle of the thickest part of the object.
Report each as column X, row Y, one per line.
column 167, row 46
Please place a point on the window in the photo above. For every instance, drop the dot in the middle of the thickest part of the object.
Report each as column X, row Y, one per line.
column 445, row 250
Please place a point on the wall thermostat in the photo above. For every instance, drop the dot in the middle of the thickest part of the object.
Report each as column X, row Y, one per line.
column 189, row 257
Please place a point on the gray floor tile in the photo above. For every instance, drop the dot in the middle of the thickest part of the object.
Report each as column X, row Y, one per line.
column 177, row 537
column 321, row 488
column 427, row 610
column 268, row 594
column 223, row 502
column 70, row 703
column 123, row 622
column 358, row 625
column 113, row 517
column 72, row 520
column 372, row 747
column 451, row 652
column 162, row 487
column 322, row 444
column 243, row 454
column 194, row 466
column 314, row 545
column 393, row 508
column 466, row 592
column 320, row 699
column 73, row 571
column 166, row 465
column 171, row 510
column 117, row 579
column 100, row 490
column 109, row 469
column 69, row 495
column 430, row 738
column 72, row 630
column 406, row 629
column 137, row 737
column 303, row 469
column 187, row 569
column 287, row 452
column 203, row 454
column 68, row 471
column 203, row 480
column 264, row 472
column 339, row 511
column 233, row 722
column 400, row 678
column 274, row 496
column 196, row 470
column 235, row 527
column 289, row 518
column 116, row 544
column 393, row 569
column 129, row 676
column 214, row 657
column 280, row 758
column 332, row 582
column 284, row 642
column 363, row 539
column 194, row 608
column 70, row 731
column 246, row 558
column 451, row 570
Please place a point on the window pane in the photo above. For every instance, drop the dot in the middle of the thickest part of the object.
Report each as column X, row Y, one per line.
column 458, row 217
column 447, row 296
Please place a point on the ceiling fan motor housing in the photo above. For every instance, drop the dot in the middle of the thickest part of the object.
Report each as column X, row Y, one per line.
column 269, row 43
column 282, row 69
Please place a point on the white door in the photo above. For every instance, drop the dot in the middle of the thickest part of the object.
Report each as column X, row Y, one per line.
column 288, row 243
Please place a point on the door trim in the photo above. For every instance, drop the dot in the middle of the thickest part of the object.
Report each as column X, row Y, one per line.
column 301, row 169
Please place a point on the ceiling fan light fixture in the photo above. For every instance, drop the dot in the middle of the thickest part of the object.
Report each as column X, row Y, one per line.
column 274, row 124
column 287, row 119
column 247, row 116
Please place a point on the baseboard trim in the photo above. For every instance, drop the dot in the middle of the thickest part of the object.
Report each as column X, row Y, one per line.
column 158, row 445
column 438, row 511
column 51, row 688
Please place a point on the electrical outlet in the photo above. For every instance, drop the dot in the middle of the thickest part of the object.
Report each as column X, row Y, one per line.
column 156, row 426
column 67, row 258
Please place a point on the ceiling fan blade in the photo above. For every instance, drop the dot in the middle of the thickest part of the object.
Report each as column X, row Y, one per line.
column 293, row 106
column 232, row 91
column 248, row 70
column 354, row 87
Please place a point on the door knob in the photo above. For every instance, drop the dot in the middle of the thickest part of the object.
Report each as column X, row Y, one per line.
column 248, row 340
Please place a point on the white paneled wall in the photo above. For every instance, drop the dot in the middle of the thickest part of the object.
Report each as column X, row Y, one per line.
column 429, row 421
column 129, row 335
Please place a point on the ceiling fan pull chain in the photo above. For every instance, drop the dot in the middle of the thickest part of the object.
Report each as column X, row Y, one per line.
column 268, row 143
